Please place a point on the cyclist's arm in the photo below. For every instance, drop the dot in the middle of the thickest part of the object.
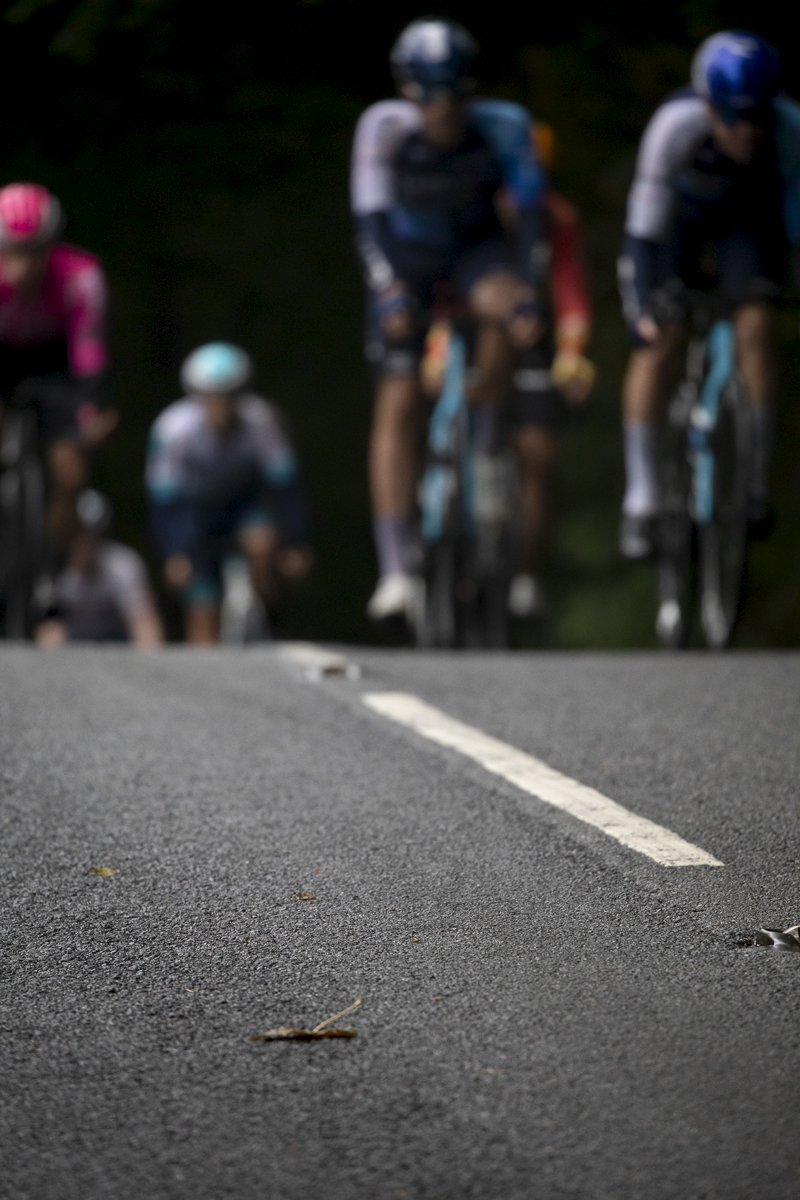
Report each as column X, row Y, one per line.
column 170, row 513
column 280, row 471
column 671, row 136
column 379, row 131
column 86, row 325
column 85, row 296
column 568, row 281
column 507, row 127
column 787, row 141
column 572, row 371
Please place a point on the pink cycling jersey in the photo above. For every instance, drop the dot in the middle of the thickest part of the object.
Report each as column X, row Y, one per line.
column 70, row 305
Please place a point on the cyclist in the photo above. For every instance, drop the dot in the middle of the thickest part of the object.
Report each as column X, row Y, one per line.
column 52, row 341
column 564, row 373
column 557, row 369
column 717, row 186
column 433, row 174
column 221, row 476
column 102, row 594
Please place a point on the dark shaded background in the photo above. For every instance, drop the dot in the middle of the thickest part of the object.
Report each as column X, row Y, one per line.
column 203, row 152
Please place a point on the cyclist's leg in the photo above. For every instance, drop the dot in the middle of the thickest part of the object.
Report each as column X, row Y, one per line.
column 202, row 624
column 537, row 410
column 650, row 377
column 57, row 401
column 42, row 379
column 653, row 369
column 494, row 293
column 259, row 539
column 68, row 471
column 751, row 267
column 488, row 278
column 392, row 455
column 202, row 602
column 493, row 298
column 754, row 326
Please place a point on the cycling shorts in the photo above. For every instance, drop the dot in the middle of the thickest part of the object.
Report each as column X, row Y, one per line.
column 217, row 532
column 421, row 268
column 535, row 400
column 39, row 375
column 717, row 249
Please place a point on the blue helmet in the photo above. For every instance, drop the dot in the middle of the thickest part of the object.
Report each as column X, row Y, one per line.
column 432, row 54
column 216, row 367
column 738, row 73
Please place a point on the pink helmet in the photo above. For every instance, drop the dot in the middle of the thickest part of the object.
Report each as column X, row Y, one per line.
column 29, row 216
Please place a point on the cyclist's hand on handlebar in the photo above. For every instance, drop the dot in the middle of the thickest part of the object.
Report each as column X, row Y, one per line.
column 177, row 571
column 574, row 375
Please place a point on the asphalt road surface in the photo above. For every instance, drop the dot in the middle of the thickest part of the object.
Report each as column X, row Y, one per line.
column 546, row 1012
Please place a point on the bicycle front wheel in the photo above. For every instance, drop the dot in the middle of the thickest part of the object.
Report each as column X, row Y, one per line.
column 722, row 539
column 674, row 537
column 437, row 628
column 22, row 536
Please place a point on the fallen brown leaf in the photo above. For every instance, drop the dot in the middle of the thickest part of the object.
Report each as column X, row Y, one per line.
column 101, row 871
column 305, row 896
column 414, row 939
column 286, row 1033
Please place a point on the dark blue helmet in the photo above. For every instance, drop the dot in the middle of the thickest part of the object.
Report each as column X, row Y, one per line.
column 432, row 54
column 738, row 73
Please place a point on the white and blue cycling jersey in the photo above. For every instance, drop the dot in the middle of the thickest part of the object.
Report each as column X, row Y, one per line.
column 683, row 178
column 201, row 484
column 410, row 198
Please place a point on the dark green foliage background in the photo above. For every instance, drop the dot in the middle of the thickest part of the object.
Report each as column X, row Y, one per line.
column 203, row 152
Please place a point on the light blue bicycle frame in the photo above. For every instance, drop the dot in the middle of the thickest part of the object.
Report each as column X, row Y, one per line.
column 449, row 416
column 703, row 421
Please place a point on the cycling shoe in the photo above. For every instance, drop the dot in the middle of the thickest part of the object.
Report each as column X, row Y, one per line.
column 396, row 595
column 637, row 537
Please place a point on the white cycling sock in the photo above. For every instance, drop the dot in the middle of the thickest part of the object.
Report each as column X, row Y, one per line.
column 641, row 490
column 761, row 430
column 392, row 543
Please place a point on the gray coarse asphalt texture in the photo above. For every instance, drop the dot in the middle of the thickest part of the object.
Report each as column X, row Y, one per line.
column 573, row 1021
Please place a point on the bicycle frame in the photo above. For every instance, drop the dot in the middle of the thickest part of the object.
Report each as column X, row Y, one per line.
column 21, row 517
column 703, row 418
column 704, row 489
column 465, row 497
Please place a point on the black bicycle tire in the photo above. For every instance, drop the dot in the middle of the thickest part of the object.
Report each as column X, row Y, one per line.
column 22, row 529
column 439, row 626
column 722, row 540
column 674, row 537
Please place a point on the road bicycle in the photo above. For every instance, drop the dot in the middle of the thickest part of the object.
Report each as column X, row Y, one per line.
column 22, row 509
column 467, row 507
column 703, row 484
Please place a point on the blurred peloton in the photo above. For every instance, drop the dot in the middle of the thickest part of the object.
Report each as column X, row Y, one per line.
column 103, row 593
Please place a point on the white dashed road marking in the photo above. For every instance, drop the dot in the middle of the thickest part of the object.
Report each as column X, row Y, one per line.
column 535, row 777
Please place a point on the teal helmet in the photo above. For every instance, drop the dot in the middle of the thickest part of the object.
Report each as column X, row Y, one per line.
column 216, row 367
